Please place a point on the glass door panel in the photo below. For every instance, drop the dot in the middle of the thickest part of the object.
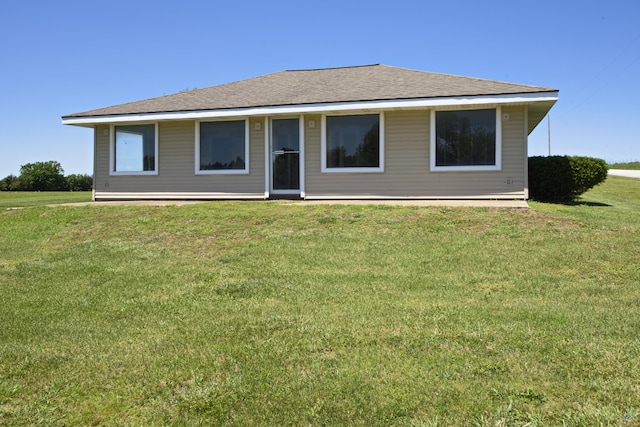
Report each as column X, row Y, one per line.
column 285, row 156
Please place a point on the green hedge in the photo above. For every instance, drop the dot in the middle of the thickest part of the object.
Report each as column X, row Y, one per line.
column 563, row 178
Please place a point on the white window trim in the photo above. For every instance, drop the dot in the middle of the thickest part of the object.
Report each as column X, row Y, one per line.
column 247, row 137
column 112, row 151
column 432, row 156
column 267, row 156
column 323, row 146
column 302, row 160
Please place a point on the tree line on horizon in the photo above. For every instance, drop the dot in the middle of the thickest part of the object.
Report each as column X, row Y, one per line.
column 45, row 176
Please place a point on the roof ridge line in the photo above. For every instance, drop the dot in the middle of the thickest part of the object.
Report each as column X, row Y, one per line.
column 336, row 68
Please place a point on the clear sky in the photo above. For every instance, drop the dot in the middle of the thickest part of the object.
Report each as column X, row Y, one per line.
column 65, row 57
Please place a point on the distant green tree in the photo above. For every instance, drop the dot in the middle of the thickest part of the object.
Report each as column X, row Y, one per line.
column 41, row 176
column 77, row 182
column 6, row 183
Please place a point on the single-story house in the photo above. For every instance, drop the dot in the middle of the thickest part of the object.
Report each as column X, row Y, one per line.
column 364, row 132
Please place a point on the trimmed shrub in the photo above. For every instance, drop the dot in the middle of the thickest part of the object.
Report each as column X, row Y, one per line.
column 563, row 178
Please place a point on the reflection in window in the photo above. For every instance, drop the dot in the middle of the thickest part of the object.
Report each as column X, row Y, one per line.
column 466, row 138
column 135, row 147
column 223, row 145
column 353, row 141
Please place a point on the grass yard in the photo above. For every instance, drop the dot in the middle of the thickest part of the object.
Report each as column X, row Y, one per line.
column 625, row 165
column 11, row 199
column 272, row 313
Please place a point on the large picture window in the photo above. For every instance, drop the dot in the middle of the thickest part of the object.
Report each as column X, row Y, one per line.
column 222, row 147
column 134, row 149
column 466, row 140
column 353, row 143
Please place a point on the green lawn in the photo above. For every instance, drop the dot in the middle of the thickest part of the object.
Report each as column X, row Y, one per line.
column 11, row 199
column 625, row 165
column 271, row 314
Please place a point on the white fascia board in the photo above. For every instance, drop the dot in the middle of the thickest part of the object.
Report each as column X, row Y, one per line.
column 319, row 108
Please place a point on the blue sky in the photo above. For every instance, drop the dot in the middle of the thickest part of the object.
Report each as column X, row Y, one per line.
column 65, row 57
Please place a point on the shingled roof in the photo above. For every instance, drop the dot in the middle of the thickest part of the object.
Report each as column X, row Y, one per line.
column 319, row 86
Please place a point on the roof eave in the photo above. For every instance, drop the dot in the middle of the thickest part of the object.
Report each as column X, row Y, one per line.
column 536, row 113
column 392, row 104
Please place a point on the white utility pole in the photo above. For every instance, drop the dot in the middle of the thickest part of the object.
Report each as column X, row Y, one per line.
column 549, row 133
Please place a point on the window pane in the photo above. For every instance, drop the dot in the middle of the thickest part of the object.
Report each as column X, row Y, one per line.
column 353, row 141
column 466, row 138
column 286, row 171
column 222, row 145
column 135, row 147
column 286, row 134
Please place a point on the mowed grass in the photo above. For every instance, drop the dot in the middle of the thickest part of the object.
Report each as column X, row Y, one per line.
column 625, row 165
column 12, row 199
column 275, row 313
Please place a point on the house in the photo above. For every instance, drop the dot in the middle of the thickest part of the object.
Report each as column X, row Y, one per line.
column 365, row 132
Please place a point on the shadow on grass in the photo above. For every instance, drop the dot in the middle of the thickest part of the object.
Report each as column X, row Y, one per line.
column 573, row 203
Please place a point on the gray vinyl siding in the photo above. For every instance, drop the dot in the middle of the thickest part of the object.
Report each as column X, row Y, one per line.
column 176, row 166
column 406, row 172
column 101, row 156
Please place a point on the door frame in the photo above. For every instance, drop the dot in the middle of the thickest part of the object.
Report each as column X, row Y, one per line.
column 268, row 140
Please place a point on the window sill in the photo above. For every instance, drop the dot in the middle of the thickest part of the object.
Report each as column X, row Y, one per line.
column 223, row 172
column 352, row 170
column 465, row 168
column 133, row 173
